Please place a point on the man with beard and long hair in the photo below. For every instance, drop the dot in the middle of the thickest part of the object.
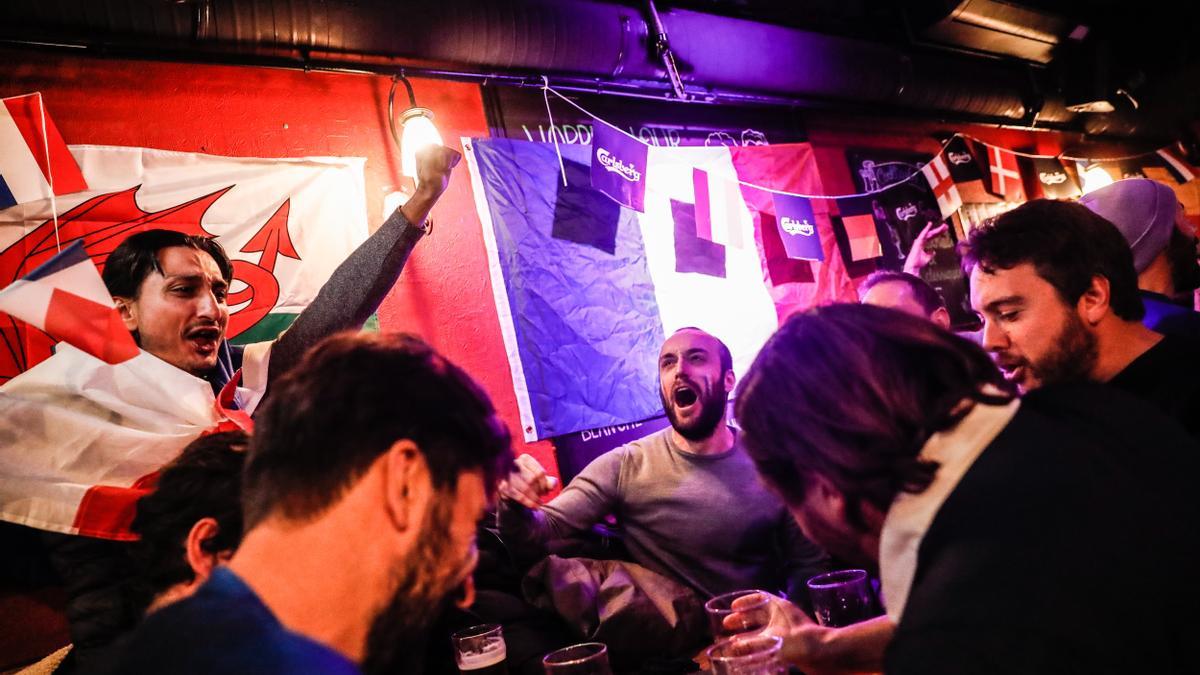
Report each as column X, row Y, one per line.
column 1011, row 535
column 687, row 500
column 371, row 464
column 1056, row 287
column 1163, row 243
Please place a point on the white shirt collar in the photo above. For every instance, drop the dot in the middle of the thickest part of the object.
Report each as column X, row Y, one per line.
column 910, row 515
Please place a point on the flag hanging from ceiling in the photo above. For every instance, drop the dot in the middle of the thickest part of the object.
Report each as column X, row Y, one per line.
column 719, row 208
column 1005, row 174
column 1056, row 182
column 797, row 227
column 861, row 234
column 938, row 176
column 33, row 156
column 66, row 297
column 968, row 167
column 1181, row 170
column 619, row 166
column 587, row 291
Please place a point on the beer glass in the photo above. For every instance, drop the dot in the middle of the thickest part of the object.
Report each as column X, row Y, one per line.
column 841, row 598
column 752, row 616
column 589, row 658
column 480, row 650
column 747, row 655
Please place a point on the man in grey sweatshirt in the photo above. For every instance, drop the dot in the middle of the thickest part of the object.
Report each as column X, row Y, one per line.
column 687, row 498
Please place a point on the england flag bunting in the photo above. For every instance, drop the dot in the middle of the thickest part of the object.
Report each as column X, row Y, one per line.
column 938, row 176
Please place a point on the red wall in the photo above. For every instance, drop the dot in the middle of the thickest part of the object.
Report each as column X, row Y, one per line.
column 444, row 294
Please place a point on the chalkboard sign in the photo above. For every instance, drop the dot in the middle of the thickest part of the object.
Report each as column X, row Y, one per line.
column 901, row 212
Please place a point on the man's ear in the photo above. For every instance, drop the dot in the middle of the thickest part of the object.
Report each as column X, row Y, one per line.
column 128, row 309
column 730, row 380
column 202, row 562
column 404, row 478
column 941, row 316
column 1093, row 305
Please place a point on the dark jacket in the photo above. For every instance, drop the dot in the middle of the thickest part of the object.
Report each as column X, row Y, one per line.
column 1070, row 546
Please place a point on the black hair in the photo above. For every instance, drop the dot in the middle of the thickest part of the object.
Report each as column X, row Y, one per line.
column 136, row 257
column 346, row 403
column 1067, row 243
column 203, row 482
column 925, row 295
column 852, row 392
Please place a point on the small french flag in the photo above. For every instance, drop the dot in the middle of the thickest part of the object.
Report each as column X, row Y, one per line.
column 66, row 297
column 719, row 208
column 33, row 155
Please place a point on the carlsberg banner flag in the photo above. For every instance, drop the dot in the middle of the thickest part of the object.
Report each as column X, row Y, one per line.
column 619, row 166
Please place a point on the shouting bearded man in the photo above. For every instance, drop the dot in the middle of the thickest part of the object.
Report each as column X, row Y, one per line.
column 686, row 497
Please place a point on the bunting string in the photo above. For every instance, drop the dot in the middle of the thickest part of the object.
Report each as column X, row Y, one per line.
column 547, row 89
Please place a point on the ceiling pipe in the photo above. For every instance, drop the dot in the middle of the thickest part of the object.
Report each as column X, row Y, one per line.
column 580, row 43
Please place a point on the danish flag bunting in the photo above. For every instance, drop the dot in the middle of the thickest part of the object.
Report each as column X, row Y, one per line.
column 1005, row 174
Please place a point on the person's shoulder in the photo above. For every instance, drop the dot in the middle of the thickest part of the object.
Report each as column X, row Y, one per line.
column 651, row 442
column 221, row 630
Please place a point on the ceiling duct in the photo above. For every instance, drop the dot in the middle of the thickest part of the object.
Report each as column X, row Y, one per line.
column 585, row 41
column 996, row 27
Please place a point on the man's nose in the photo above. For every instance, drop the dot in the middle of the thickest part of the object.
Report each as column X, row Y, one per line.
column 207, row 305
column 994, row 339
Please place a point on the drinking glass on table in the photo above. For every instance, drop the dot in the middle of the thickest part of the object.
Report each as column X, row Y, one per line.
column 480, row 650
column 747, row 655
column 752, row 614
column 589, row 658
column 841, row 598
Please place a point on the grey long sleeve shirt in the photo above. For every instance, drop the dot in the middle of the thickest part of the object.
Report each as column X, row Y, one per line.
column 704, row 520
column 352, row 293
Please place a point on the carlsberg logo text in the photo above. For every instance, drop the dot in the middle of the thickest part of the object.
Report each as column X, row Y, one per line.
column 793, row 226
column 626, row 171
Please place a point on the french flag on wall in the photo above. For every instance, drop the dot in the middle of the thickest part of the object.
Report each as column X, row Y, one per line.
column 66, row 297
column 34, row 160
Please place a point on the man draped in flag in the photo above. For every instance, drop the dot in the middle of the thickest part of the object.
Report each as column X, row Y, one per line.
column 83, row 439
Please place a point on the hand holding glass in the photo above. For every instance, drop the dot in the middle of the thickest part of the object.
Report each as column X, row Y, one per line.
column 737, row 612
column 748, row 655
column 841, row 598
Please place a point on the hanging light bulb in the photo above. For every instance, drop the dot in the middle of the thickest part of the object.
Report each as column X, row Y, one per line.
column 419, row 130
column 419, row 133
column 1095, row 177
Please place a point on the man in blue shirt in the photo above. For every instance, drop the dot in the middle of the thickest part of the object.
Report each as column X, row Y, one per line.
column 371, row 463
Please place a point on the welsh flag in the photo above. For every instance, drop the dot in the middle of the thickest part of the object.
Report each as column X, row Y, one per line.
column 85, row 438
column 587, row 290
column 285, row 223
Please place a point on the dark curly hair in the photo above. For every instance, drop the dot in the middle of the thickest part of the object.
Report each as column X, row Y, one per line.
column 1067, row 243
column 346, row 403
column 203, row 482
column 136, row 257
column 852, row 393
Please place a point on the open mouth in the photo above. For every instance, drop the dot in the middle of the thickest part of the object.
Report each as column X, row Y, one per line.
column 684, row 396
column 1013, row 371
column 204, row 339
